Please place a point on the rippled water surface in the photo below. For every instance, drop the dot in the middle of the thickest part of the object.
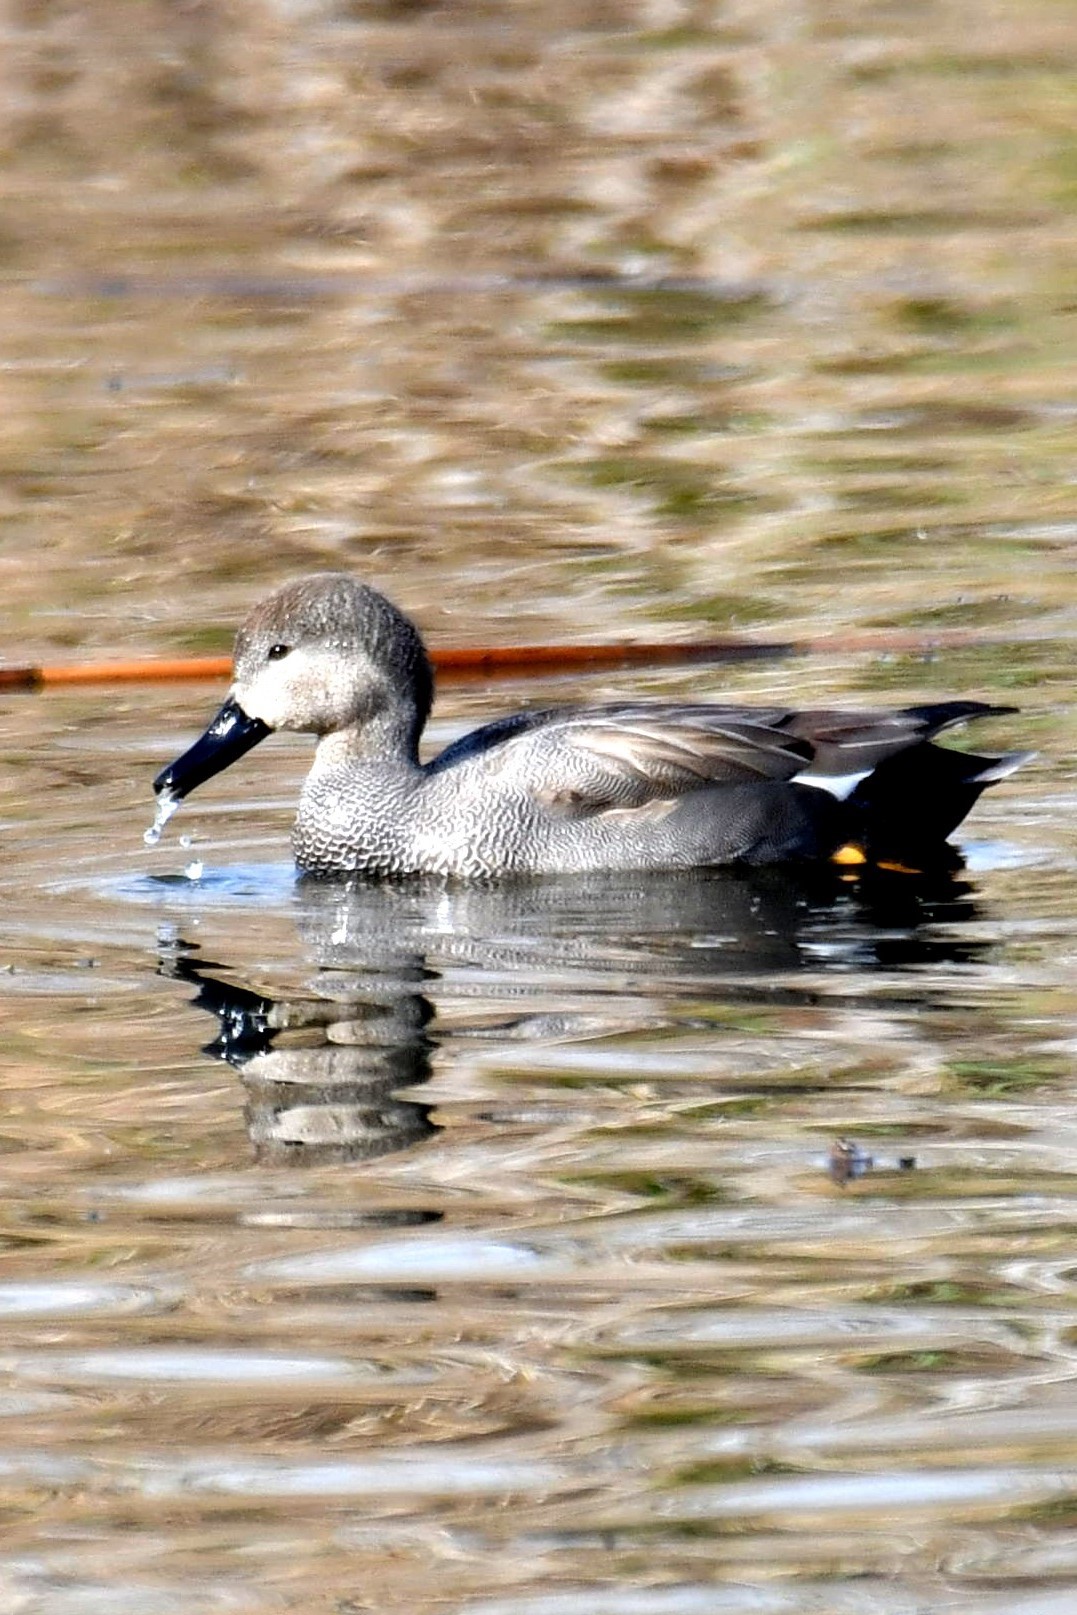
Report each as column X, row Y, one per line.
column 671, row 1246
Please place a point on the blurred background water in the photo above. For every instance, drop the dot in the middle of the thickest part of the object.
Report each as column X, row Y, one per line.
column 634, row 1247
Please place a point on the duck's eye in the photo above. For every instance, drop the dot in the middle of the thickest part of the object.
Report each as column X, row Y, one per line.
column 275, row 653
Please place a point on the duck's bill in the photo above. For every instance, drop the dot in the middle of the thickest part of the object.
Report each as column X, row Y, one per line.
column 230, row 734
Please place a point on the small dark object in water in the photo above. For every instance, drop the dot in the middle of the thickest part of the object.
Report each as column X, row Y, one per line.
column 848, row 1161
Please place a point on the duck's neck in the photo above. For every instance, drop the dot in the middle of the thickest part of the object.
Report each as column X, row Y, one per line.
column 389, row 738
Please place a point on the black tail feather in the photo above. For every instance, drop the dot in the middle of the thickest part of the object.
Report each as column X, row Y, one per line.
column 913, row 801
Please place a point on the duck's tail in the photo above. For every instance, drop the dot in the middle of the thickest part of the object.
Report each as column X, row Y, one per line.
column 911, row 803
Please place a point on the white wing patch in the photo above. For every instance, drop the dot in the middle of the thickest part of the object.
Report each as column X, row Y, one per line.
column 839, row 786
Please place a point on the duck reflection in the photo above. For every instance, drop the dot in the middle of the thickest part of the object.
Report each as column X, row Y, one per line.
column 328, row 1090
column 579, row 956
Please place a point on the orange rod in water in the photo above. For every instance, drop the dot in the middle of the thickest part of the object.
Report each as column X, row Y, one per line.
column 519, row 660
column 182, row 667
column 451, row 665
column 534, row 660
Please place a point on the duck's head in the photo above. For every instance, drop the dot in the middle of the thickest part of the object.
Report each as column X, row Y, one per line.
column 322, row 655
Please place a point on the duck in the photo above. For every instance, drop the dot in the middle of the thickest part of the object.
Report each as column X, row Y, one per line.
column 635, row 785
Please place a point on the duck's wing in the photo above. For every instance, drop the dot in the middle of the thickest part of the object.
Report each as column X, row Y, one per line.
column 642, row 753
column 588, row 759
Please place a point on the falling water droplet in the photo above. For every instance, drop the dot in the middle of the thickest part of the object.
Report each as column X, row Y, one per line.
column 167, row 805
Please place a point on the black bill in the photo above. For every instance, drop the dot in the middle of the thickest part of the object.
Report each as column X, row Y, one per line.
column 229, row 735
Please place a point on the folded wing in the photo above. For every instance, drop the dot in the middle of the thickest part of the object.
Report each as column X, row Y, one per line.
column 591, row 760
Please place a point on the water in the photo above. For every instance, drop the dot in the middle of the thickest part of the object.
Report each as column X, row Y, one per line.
column 634, row 1246
column 166, row 806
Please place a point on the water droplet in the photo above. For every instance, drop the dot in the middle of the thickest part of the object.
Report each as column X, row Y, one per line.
column 194, row 869
column 167, row 805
